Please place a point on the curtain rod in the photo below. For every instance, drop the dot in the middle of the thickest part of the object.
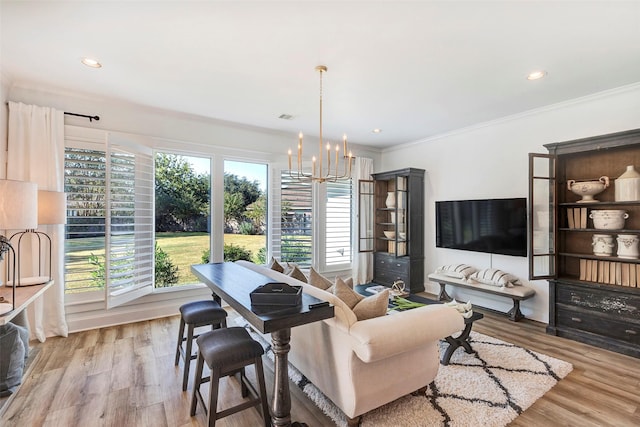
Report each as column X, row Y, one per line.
column 91, row 118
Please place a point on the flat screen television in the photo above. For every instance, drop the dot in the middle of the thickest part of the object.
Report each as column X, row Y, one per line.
column 497, row 226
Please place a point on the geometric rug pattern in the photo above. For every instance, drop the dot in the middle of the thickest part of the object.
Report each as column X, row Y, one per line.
column 489, row 387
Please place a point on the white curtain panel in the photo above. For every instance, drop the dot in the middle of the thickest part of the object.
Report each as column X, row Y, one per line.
column 35, row 152
column 362, row 265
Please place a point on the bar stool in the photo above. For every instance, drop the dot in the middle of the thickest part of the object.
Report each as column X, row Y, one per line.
column 226, row 352
column 195, row 314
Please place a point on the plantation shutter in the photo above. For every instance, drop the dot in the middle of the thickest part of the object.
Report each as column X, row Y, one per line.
column 338, row 223
column 84, row 184
column 296, row 239
column 129, row 248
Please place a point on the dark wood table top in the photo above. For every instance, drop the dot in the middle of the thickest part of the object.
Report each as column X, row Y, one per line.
column 233, row 283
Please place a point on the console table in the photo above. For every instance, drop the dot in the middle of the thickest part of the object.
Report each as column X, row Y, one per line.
column 25, row 295
column 233, row 283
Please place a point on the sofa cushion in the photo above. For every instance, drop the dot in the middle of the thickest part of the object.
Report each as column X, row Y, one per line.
column 318, row 280
column 495, row 277
column 297, row 274
column 275, row 265
column 346, row 294
column 372, row 306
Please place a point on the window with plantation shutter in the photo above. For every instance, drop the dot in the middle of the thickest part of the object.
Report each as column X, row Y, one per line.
column 315, row 225
column 337, row 231
column 84, row 184
column 109, row 232
column 296, row 228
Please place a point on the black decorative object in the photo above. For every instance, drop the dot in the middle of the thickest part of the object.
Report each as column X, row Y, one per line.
column 276, row 294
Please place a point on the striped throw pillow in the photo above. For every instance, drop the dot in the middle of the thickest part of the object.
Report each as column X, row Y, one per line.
column 459, row 271
column 495, row 277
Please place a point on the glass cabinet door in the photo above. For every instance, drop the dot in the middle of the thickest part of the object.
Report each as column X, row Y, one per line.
column 542, row 223
column 366, row 198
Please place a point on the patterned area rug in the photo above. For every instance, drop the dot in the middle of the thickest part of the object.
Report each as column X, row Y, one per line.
column 489, row 387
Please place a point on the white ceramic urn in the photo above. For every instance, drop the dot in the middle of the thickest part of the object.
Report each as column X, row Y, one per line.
column 608, row 219
column 602, row 244
column 628, row 246
column 627, row 186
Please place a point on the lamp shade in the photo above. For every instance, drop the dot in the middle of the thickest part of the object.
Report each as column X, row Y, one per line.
column 52, row 207
column 18, row 205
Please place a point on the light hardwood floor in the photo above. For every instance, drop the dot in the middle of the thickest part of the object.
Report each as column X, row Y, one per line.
column 124, row 376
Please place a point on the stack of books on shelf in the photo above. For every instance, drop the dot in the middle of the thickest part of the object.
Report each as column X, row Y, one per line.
column 577, row 217
column 610, row 272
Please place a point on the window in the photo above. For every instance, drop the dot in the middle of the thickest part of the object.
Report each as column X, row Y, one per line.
column 330, row 210
column 245, row 211
column 85, row 183
column 296, row 216
column 182, row 215
column 338, row 223
column 109, row 233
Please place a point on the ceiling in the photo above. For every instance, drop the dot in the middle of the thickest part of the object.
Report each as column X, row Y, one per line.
column 413, row 69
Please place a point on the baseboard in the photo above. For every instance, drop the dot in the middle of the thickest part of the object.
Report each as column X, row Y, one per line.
column 155, row 307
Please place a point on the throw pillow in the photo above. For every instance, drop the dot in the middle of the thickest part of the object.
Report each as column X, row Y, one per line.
column 297, row 274
column 459, row 271
column 348, row 282
column 495, row 277
column 373, row 306
column 318, row 280
column 347, row 295
column 275, row 265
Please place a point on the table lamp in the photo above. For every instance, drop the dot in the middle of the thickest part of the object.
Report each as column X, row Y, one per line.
column 50, row 210
column 18, row 210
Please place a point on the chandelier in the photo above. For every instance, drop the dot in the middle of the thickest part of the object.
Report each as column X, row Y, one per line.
column 322, row 168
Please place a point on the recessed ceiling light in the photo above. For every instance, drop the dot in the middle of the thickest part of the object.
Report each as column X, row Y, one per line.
column 376, row 130
column 535, row 75
column 90, row 62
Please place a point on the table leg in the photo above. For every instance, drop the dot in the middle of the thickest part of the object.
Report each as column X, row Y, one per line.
column 281, row 407
column 460, row 341
column 444, row 296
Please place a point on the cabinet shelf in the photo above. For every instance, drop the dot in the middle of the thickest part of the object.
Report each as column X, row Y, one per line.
column 599, row 230
column 600, row 258
column 595, row 204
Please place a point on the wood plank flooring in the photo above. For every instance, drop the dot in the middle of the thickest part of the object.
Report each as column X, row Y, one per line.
column 124, row 376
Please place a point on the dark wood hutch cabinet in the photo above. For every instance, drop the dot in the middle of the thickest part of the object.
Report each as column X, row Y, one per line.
column 592, row 298
column 395, row 232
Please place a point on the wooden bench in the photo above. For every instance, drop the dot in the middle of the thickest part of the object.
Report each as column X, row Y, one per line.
column 516, row 293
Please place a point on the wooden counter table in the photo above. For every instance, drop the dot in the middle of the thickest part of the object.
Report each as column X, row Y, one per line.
column 233, row 283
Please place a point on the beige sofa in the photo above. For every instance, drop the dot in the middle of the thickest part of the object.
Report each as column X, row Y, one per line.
column 362, row 365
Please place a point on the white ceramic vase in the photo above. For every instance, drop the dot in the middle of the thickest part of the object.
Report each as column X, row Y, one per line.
column 627, row 186
column 391, row 199
column 628, row 246
column 608, row 219
column 602, row 244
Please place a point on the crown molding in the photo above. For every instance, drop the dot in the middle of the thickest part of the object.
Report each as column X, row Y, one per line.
column 510, row 118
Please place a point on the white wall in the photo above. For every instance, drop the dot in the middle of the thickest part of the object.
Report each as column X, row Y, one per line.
column 490, row 161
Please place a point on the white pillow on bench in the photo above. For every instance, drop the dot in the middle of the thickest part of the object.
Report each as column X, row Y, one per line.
column 459, row 271
column 495, row 277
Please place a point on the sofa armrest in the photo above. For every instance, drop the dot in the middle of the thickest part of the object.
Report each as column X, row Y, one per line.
column 386, row 336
